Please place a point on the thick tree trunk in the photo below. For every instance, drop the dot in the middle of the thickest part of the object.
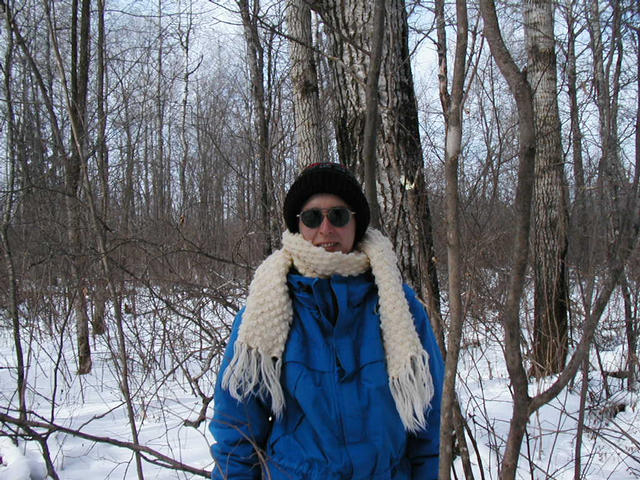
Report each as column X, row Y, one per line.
column 304, row 77
column 550, row 336
column 402, row 188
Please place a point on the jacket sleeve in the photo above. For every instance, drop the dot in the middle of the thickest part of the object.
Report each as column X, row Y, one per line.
column 423, row 448
column 239, row 429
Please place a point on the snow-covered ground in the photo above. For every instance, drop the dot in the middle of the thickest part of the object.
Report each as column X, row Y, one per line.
column 163, row 354
column 611, row 443
column 164, row 399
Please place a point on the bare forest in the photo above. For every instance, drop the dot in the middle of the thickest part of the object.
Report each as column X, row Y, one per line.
column 148, row 145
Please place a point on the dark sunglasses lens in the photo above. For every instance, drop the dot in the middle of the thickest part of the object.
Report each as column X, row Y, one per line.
column 339, row 216
column 311, row 218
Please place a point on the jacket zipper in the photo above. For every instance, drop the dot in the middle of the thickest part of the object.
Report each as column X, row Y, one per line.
column 337, row 389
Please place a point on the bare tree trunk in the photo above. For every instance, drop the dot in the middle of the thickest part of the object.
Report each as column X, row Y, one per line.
column 304, row 77
column 74, row 162
column 128, row 204
column 98, row 324
column 255, row 58
column 580, row 247
column 577, row 470
column 103, row 158
column 511, row 311
column 371, row 123
column 185, row 42
column 123, row 365
column 550, row 335
column 6, row 220
column 443, row 69
column 611, row 179
column 347, row 66
column 631, row 331
column 42, row 86
column 453, row 146
column 402, row 187
column 618, row 197
column 159, row 181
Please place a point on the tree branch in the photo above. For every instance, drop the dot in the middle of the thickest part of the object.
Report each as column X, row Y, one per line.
column 155, row 457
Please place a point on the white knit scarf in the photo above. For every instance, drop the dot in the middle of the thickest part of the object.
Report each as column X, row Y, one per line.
column 257, row 359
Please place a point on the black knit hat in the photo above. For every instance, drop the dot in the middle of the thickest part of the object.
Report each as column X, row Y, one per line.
column 330, row 178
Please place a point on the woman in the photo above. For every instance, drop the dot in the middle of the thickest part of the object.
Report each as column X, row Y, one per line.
column 332, row 370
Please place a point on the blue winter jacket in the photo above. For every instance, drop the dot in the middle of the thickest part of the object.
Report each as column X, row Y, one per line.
column 340, row 420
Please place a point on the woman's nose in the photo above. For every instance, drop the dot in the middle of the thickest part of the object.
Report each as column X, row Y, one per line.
column 325, row 226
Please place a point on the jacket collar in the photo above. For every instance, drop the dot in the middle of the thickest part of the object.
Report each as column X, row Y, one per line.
column 354, row 288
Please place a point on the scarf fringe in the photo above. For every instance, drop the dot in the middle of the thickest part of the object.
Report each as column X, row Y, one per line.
column 251, row 372
column 412, row 392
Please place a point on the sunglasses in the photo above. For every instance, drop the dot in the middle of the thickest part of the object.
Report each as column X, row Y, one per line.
column 338, row 216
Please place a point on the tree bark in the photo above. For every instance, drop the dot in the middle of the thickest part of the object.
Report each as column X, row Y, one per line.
column 612, row 184
column 402, row 188
column 550, row 331
column 304, row 77
column 102, row 151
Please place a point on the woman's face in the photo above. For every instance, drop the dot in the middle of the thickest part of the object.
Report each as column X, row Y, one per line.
column 328, row 236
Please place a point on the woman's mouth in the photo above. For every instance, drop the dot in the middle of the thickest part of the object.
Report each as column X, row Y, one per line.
column 329, row 246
